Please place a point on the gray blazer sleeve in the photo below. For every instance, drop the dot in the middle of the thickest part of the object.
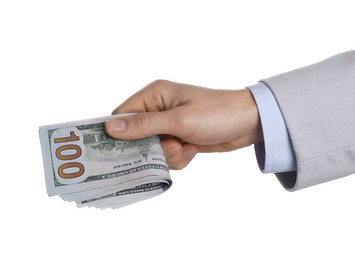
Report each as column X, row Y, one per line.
column 318, row 105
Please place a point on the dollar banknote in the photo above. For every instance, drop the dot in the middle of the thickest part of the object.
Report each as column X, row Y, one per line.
column 83, row 164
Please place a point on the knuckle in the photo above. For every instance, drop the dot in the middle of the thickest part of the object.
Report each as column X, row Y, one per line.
column 142, row 120
column 177, row 162
column 159, row 85
column 158, row 95
column 160, row 82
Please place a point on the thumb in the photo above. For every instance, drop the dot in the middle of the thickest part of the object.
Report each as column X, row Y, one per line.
column 140, row 125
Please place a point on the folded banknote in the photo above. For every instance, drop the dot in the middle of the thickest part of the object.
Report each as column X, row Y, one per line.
column 83, row 164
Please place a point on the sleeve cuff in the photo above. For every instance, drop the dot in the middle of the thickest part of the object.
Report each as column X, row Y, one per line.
column 275, row 154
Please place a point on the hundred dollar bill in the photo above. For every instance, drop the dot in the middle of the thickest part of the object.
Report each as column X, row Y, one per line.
column 83, row 164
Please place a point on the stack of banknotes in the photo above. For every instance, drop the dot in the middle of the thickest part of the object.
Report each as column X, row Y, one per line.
column 83, row 164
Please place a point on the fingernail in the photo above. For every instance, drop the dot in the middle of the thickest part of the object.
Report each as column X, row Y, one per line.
column 116, row 125
column 189, row 153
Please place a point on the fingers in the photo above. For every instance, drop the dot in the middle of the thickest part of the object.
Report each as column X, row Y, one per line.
column 141, row 125
column 157, row 96
column 178, row 155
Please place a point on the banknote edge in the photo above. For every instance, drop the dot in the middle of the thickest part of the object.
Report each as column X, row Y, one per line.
column 85, row 121
column 47, row 162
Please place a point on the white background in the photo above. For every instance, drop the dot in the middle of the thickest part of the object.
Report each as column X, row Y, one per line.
column 67, row 60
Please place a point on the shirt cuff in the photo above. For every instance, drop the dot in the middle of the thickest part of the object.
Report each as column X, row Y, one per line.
column 275, row 154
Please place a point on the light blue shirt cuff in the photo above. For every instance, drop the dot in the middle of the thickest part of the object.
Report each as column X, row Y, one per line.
column 275, row 154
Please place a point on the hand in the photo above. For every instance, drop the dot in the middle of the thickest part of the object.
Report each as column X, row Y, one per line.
column 189, row 120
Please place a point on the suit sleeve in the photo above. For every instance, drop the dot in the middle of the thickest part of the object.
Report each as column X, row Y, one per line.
column 318, row 106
